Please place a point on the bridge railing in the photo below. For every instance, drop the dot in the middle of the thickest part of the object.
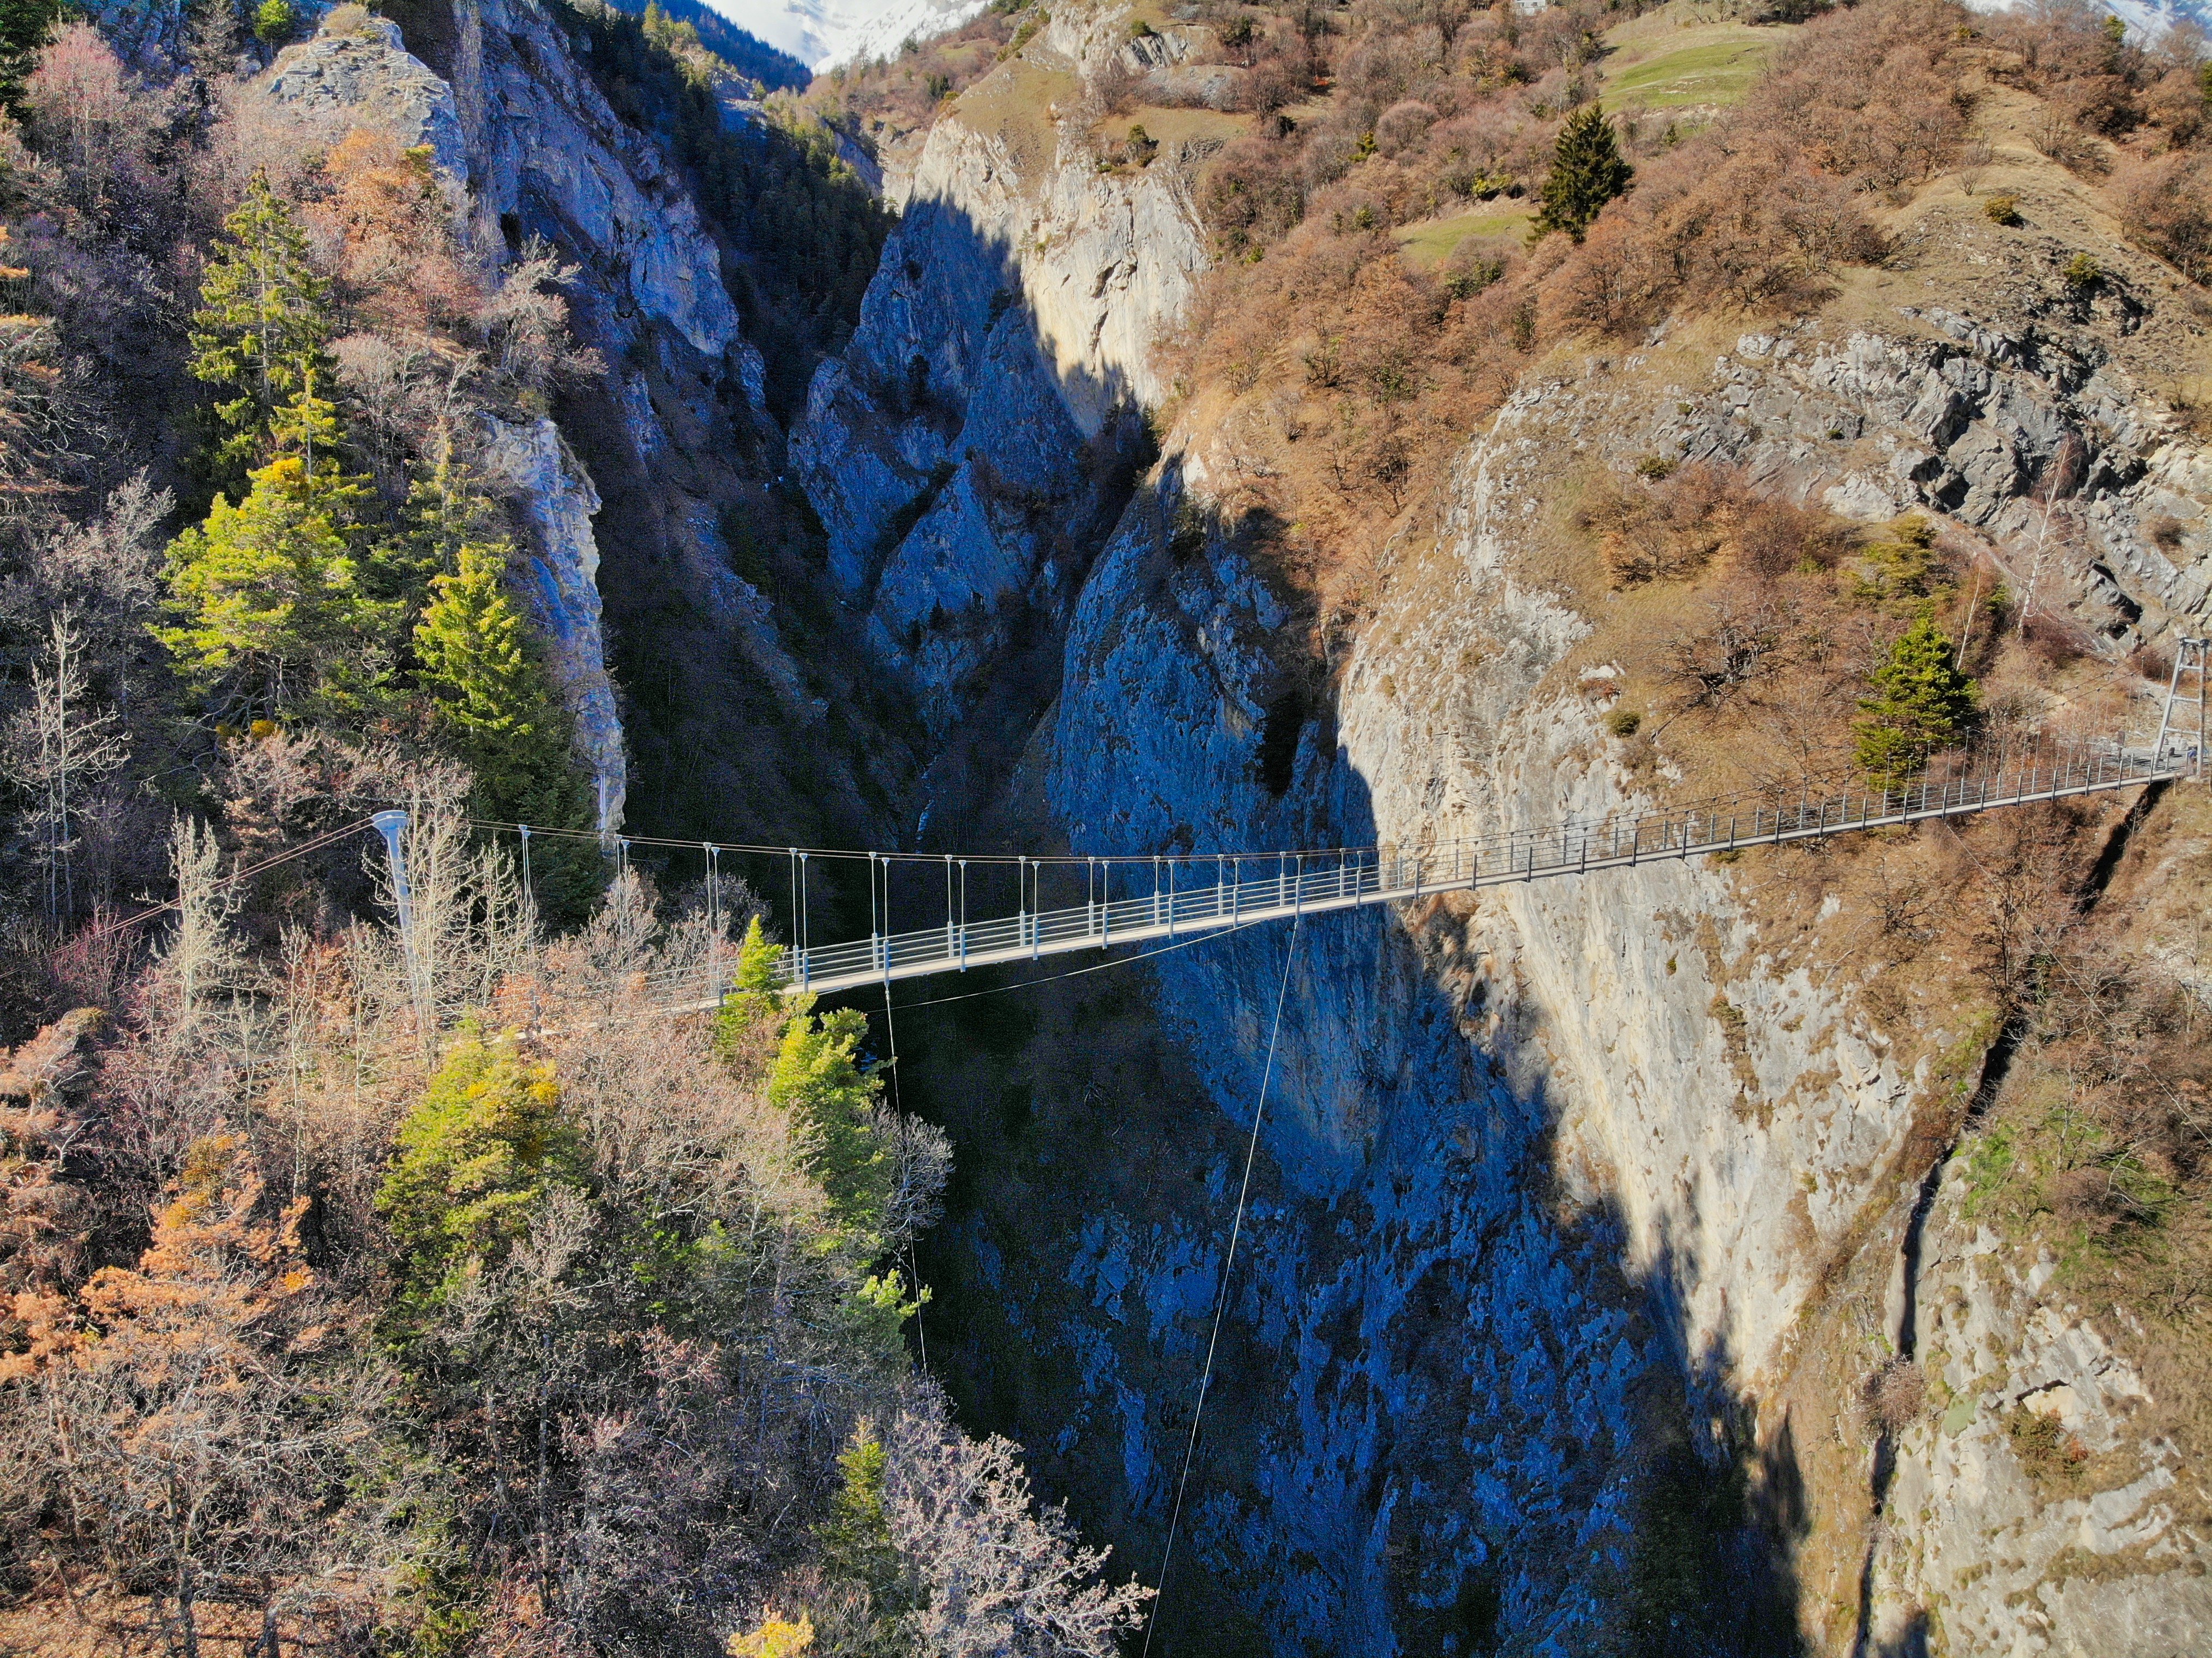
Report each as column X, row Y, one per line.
column 1162, row 896
column 1207, row 891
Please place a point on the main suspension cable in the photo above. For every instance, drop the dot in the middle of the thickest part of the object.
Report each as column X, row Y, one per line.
column 301, row 851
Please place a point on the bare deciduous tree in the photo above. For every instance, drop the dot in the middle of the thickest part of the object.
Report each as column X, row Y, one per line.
column 58, row 749
column 1002, row 1576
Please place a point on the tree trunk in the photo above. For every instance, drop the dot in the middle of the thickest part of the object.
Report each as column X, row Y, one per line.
column 186, row 1591
column 544, row 1552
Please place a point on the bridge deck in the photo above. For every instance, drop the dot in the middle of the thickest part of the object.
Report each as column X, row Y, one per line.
column 1313, row 883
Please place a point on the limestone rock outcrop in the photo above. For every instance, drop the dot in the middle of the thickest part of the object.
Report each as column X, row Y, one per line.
column 364, row 76
column 532, row 465
column 972, row 445
column 1994, row 426
column 527, row 148
column 1543, row 1219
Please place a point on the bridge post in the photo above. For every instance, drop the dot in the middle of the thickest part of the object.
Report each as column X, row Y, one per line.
column 713, row 921
column 392, row 826
column 875, row 934
column 963, row 914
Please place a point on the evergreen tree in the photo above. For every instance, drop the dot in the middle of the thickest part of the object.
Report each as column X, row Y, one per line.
column 754, row 998
column 472, row 1164
column 832, row 1101
column 1922, row 703
column 491, row 693
column 493, row 699
column 857, row 1546
column 1587, row 173
column 263, row 320
column 23, row 27
column 277, row 596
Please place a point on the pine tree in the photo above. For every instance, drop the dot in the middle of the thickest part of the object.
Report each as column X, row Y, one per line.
column 23, row 27
column 277, row 596
column 832, row 1102
column 473, row 1163
column 856, row 1542
column 754, row 998
column 1922, row 703
column 263, row 321
column 491, row 693
column 1587, row 173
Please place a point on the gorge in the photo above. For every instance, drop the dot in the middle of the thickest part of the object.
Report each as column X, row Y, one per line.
column 1793, row 1250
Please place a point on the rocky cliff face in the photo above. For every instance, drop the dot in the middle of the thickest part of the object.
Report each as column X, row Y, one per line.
column 537, row 471
column 522, row 144
column 1540, row 1240
column 638, row 490
column 1538, row 1234
column 973, row 443
column 1716, row 1179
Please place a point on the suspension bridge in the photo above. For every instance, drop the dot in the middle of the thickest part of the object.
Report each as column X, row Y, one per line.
column 1028, row 909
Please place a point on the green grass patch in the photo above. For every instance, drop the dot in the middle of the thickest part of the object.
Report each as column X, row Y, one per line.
column 1717, row 72
column 1989, row 1165
column 1431, row 242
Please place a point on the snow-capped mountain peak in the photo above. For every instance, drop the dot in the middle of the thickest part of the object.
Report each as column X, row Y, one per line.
column 824, row 33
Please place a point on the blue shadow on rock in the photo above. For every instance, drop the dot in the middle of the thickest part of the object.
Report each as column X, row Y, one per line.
column 1447, row 1417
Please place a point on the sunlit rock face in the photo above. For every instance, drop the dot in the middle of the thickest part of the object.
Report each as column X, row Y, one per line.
column 1533, row 1230
column 536, row 469
column 973, row 445
column 364, row 76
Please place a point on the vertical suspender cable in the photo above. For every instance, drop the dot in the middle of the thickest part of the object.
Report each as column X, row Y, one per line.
column 1221, row 1295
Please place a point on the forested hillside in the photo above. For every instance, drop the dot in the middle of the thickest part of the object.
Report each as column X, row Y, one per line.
column 384, row 1291
column 802, row 231
column 746, row 54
